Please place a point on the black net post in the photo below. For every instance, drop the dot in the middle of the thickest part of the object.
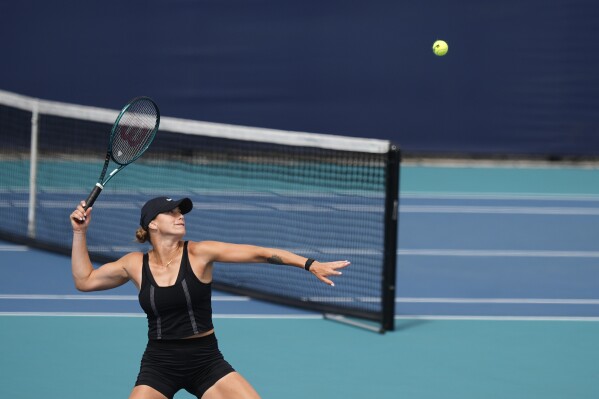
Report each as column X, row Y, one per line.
column 390, row 255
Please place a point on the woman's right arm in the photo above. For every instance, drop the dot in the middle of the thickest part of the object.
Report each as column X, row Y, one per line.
column 87, row 278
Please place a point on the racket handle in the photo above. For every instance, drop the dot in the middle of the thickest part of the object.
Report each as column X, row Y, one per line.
column 92, row 196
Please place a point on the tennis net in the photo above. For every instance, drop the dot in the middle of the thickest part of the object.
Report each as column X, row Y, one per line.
column 320, row 196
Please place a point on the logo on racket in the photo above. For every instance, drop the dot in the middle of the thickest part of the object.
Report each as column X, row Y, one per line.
column 132, row 136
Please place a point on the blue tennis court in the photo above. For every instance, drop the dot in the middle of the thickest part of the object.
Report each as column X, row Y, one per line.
column 496, row 297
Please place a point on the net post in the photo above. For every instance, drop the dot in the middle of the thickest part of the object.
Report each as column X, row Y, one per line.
column 33, row 171
column 391, row 221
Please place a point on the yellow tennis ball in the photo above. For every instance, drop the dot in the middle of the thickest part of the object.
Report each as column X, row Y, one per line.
column 440, row 48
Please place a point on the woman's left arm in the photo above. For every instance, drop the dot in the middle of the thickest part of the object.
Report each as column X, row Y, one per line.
column 239, row 253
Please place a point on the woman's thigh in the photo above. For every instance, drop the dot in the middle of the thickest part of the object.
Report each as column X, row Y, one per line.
column 145, row 392
column 231, row 386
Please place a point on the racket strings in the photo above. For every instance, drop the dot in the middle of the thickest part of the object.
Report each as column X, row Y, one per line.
column 135, row 131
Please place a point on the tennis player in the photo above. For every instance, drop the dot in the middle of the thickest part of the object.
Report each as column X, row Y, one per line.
column 174, row 282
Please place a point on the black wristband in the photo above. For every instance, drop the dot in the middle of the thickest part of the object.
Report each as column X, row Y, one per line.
column 308, row 263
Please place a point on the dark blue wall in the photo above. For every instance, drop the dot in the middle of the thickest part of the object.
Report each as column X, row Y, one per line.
column 521, row 76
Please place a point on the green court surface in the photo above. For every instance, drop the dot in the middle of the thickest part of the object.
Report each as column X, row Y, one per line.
column 540, row 178
column 98, row 357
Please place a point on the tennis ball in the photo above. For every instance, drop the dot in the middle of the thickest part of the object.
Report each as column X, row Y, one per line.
column 440, row 48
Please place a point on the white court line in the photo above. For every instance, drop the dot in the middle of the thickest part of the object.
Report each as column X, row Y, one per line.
column 507, row 210
column 500, row 196
column 13, row 248
column 222, row 298
column 499, row 253
column 458, row 252
column 313, row 317
column 267, row 316
column 497, row 196
column 499, row 318
column 72, row 314
column 400, row 252
column 514, row 301
column 216, row 298
column 332, row 207
column 479, row 301
column 143, row 315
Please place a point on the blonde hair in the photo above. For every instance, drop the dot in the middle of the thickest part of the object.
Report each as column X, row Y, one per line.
column 142, row 235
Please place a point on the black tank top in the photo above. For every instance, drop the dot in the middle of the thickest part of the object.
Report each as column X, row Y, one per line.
column 177, row 311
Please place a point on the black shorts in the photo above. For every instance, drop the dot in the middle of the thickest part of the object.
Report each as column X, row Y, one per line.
column 193, row 364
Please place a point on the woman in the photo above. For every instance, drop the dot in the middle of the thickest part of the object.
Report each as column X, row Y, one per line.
column 173, row 280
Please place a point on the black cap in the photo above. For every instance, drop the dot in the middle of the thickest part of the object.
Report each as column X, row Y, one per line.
column 158, row 205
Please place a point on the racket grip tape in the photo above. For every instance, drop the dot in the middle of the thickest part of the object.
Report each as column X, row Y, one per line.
column 93, row 195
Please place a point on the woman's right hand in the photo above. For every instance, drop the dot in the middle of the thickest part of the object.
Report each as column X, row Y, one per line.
column 80, row 218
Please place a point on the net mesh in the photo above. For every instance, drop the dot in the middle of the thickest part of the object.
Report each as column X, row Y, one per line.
column 320, row 203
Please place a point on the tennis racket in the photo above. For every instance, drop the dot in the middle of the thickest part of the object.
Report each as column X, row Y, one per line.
column 131, row 135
